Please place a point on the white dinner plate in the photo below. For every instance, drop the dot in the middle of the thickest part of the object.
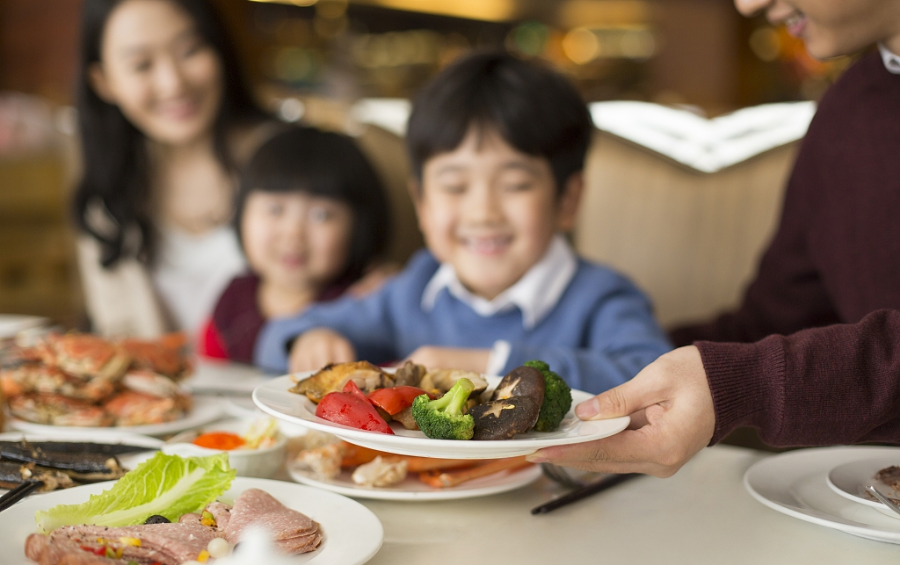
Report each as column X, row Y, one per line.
column 795, row 483
column 412, row 489
column 352, row 533
column 204, row 411
column 849, row 480
column 216, row 376
column 12, row 324
column 273, row 398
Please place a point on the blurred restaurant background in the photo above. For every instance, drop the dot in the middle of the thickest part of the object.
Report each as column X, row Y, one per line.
column 312, row 60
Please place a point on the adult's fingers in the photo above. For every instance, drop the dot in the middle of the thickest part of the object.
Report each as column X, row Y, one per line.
column 624, row 400
column 631, row 451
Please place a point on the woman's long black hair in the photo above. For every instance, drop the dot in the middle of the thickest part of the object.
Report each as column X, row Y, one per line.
column 116, row 171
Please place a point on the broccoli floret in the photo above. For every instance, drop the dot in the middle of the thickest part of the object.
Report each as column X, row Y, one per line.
column 557, row 398
column 445, row 418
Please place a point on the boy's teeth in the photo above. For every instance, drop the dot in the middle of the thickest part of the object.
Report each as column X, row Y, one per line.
column 485, row 245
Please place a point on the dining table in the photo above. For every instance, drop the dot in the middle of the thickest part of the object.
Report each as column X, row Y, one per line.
column 702, row 514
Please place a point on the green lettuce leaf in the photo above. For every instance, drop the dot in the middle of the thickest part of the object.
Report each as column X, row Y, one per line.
column 167, row 485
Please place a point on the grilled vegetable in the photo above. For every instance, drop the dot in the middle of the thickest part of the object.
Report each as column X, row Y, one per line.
column 557, row 398
column 333, row 377
column 352, row 408
column 395, row 399
column 84, row 462
column 108, row 449
column 445, row 418
column 504, row 419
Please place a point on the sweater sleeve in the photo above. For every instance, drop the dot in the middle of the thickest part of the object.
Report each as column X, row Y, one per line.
column 787, row 294
column 838, row 384
column 365, row 322
column 623, row 337
column 369, row 323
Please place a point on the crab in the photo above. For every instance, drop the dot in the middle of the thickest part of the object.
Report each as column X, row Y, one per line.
column 163, row 356
column 36, row 377
column 57, row 410
column 131, row 408
column 83, row 355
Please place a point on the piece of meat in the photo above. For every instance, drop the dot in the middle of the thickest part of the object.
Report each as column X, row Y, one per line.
column 324, row 463
column 380, row 472
column 293, row 532
column 221, row 514
column 889, row 476
column 169, row 544
column 192, row 518
column 40, row 548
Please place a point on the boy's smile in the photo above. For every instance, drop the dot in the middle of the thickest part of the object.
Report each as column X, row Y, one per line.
column 490, row 210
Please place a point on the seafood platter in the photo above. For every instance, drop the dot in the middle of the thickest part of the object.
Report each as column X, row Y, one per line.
column 84, row 381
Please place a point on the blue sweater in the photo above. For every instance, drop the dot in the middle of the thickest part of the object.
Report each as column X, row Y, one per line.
column 599, row 334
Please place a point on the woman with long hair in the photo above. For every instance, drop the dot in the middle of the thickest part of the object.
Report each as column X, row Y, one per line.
column 165, row 118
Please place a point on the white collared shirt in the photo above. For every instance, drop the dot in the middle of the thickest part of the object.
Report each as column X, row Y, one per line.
column 535, row 294
column 891, row 59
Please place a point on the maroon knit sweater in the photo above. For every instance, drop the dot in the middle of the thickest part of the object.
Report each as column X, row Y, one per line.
column 834, row 260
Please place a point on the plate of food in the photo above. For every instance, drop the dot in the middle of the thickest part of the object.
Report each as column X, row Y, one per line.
column 84, row 381
column 70, row 460
column 796, row 483
column 327, row 462
column 202, row 411
column 171, row 510
column 849, row 480
column 441, row 413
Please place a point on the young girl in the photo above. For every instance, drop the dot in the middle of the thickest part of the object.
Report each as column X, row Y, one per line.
column 165, row 119
column 311, row 215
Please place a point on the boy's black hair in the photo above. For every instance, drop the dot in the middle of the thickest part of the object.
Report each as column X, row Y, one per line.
column 325, row 164
column 532, row 107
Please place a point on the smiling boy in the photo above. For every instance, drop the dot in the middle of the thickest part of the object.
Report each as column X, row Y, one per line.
column 497, row 147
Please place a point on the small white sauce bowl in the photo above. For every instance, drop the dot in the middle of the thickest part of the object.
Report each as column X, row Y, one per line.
column 260, row 463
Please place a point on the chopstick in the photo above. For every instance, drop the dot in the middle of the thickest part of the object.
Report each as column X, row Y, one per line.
column 583, row 492
column 18, row 493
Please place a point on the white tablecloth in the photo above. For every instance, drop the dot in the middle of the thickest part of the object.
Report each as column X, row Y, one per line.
column 701, row 515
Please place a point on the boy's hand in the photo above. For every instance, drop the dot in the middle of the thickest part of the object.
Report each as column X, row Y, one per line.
column 451, row 358
column 317, row 348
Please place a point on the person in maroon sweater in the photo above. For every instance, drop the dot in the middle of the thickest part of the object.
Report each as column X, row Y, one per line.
column 814, row 357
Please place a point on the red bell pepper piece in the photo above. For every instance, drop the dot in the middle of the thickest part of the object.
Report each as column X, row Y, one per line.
column 395, row 399
column 352, row 408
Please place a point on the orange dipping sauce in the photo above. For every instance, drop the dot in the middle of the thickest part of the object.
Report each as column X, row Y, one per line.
column 219, row 440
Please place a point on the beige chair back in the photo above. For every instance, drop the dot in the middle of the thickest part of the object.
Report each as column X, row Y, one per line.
column 691, row 240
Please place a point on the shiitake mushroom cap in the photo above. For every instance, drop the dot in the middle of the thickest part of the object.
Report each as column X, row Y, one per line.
column 521, row 381
column 504, row 418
